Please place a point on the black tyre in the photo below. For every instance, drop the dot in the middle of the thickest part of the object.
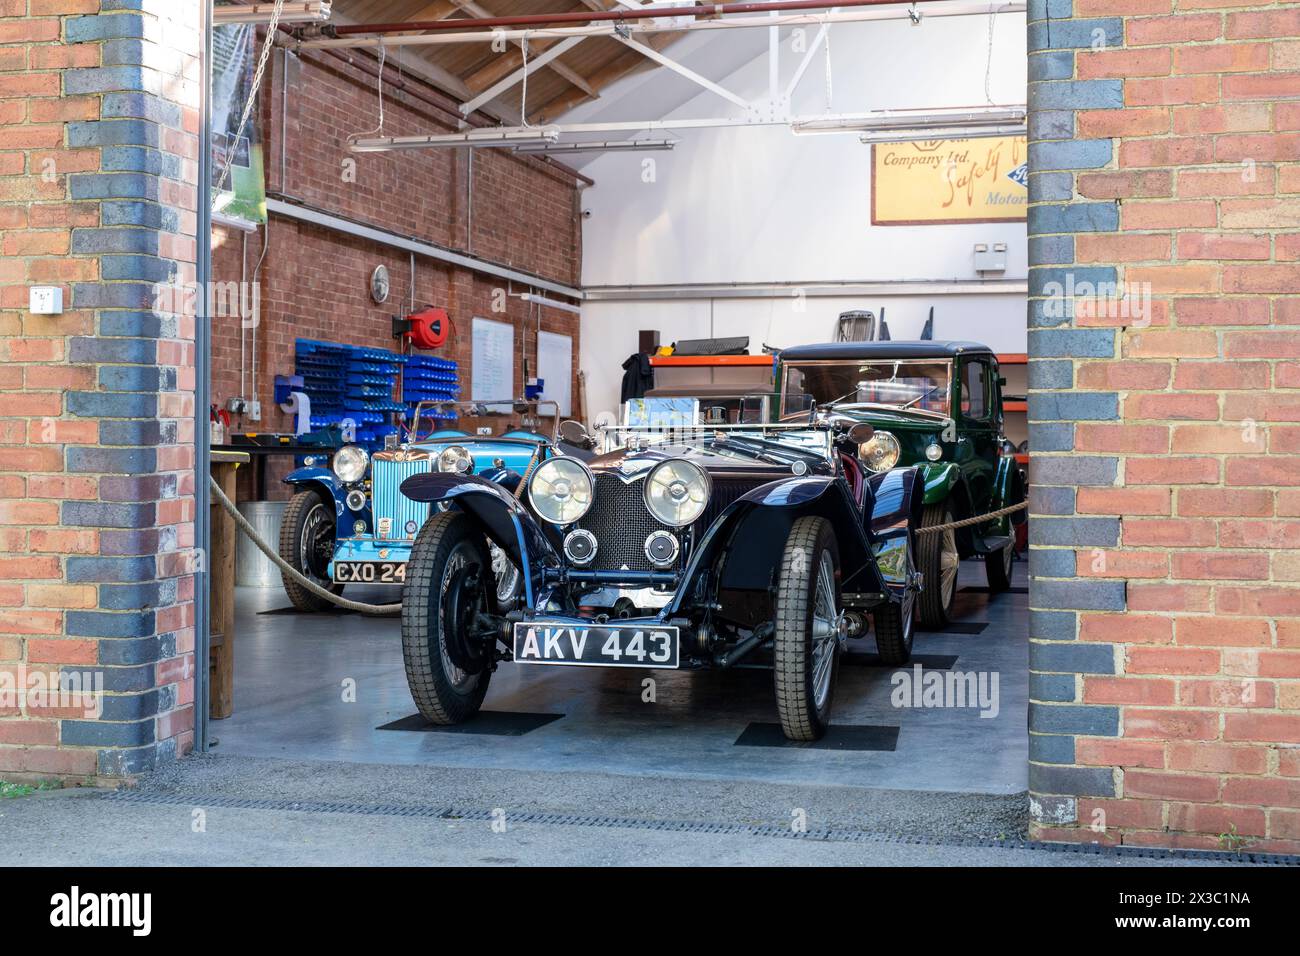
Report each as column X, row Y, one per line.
column 895, row 626
column 997, row 567
column 307, row 543
column 940, row 563
column 806, row 642
column 446, row 546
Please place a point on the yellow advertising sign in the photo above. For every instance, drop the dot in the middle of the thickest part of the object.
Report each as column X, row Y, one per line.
column 948, row 181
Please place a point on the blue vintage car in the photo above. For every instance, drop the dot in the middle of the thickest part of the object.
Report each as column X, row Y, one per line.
column 349, row 522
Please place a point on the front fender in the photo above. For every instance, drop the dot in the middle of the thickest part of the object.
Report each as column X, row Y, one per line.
column 751, row 534
column 939, row 479
column 897, row 497
column 499, row 514
column 322, row 479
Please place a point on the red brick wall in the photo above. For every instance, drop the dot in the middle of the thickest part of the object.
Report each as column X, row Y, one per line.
column 96, row 404
column 1165, row 652
column 315, row 282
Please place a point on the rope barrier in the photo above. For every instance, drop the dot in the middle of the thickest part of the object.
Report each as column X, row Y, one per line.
column 978, row 519
column 377, row 610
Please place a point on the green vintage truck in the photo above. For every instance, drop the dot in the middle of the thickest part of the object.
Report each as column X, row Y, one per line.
column 937, row 405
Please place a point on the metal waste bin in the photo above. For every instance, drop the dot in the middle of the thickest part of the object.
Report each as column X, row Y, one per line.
column 252, row 567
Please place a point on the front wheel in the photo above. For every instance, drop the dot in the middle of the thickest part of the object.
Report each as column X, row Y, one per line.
column 446, row 588
column 808, row 623
column 939, row 565
column 307, row 543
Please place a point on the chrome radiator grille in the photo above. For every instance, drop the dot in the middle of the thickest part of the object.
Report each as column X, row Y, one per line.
column 621, row 523
column 392, row 509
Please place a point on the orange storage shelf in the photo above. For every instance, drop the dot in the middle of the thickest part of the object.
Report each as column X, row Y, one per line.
column 709, row 361
column 1015, row 406
column 1013, row 358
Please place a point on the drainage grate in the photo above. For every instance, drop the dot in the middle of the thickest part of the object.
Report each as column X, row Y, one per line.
column 776, row 831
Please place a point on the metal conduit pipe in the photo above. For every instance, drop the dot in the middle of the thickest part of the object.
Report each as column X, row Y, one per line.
column 367, row 63
column 594, row 16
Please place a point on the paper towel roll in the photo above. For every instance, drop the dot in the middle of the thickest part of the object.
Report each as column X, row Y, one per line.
column 298, row 405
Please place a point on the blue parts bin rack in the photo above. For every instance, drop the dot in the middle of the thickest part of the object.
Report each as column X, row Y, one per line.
column 349, row 382
column 428, row 378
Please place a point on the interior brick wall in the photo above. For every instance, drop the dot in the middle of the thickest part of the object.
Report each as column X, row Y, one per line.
column 315, row 282
column 99, row 121
column 1165, row 640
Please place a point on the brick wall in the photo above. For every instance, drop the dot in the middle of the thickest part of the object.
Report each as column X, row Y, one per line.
column 98, row 141
column 1165, row 645
column 314, row 282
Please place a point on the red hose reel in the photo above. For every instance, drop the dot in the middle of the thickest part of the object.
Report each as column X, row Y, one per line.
column 427, row 329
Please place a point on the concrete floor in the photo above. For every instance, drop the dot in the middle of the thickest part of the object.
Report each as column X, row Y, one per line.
column 295, row 674
column 303, row 777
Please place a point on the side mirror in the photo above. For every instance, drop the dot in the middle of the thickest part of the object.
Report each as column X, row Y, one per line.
column 1002, row 381
column 861, row 432
column 573, row 432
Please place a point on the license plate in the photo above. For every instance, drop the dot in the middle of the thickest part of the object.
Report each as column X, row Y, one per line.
column 597, row 645
column 370, row 572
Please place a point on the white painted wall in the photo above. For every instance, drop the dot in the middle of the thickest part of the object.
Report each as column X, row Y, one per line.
column 762, row 205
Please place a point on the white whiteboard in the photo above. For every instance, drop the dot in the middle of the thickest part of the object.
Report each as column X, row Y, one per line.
column 555, row 369
column 492, row 368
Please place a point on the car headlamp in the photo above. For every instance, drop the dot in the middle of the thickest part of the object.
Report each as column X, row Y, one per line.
column 455, row 458
column 561, row 490
column 350, row 463
column 677, row 492
column 933, row 451
column 880, row 452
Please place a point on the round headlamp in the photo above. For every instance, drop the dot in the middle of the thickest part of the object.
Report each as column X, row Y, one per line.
column 356, row 499
column 933, row 451
column 561, row 490
column 455, row 458
column 350, row 463
column 677, row 492
column 880, row 452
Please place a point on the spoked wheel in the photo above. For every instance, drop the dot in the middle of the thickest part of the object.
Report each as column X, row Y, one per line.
column 307, row 543
column 997, row 567
column 447, row 588
column 809, row 624
column 506, row 576
column 939, row 566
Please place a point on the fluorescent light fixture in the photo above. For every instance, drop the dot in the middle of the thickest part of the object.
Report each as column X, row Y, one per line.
column 478, row 137
column 314, row 11
column 543, row 300
column 610, row 146
column 912, row 121
column 926, row 135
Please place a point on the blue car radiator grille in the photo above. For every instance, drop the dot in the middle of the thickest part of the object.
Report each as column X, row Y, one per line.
column 392, row 510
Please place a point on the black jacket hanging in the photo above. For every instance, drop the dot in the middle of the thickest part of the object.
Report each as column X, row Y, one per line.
column 638, row 376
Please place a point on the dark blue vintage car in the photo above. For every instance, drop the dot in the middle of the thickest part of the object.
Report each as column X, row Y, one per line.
column 348, row 522
column 687, row 550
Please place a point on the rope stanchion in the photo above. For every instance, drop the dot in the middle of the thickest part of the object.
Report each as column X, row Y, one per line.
column 978, row 519
column 376, row 610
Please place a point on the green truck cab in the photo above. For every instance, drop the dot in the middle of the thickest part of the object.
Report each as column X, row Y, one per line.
column 936, row 405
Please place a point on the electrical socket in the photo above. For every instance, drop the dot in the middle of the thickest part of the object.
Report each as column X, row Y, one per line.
column 254, row 411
